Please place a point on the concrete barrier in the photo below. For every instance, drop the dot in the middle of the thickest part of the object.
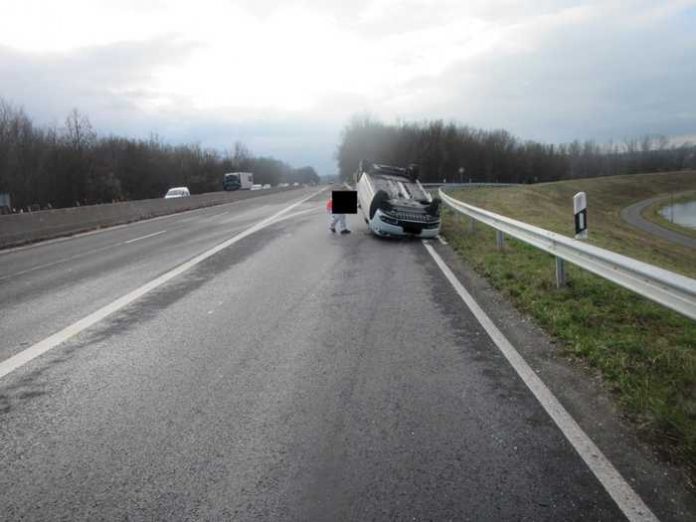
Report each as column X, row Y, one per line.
column 17, row 229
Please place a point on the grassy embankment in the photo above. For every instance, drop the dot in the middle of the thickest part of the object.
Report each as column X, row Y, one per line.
column 645, row 353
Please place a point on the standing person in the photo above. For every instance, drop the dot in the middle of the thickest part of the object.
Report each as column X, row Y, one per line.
column 336, row 219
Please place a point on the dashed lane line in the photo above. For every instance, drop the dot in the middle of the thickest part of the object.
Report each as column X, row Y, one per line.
column 144, row 237
column 25, row 356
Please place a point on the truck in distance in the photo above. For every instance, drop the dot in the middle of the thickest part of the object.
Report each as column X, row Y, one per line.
column 238, row 180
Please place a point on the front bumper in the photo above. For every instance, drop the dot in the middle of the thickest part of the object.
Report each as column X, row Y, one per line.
column 383, row 225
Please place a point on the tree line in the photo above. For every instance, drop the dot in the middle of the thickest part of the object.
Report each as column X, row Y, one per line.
column 55, row 167
column 462, row 153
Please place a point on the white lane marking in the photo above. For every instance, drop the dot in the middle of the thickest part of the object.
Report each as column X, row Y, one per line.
column 34, row 351
column 81, row 254
column 102, row 230
column 144, row 237
column 78, row 235
column 57, row 262
column 441, row 239
column 88, row 252
column 300, row 213
column 620, row 491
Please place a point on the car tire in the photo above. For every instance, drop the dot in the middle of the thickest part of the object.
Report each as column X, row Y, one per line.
column 434, row 207
column 380, row 197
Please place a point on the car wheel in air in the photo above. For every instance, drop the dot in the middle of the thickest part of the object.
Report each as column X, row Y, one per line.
column 380, row 197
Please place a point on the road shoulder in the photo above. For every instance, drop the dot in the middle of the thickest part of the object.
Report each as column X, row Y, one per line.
column 582, row 392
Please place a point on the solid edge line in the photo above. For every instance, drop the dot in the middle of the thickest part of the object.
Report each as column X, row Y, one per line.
column 20, row 359
column 620, row 491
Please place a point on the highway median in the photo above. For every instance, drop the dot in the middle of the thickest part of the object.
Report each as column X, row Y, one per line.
column 29, row 227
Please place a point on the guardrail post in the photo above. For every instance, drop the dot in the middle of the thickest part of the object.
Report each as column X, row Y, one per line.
column 669, row 289
column 499, row 239
column 560, row 273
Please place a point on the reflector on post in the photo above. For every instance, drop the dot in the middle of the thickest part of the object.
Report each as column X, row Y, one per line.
column 580, row 210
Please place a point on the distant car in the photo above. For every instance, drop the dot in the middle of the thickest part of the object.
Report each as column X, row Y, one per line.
column 296, row 184
column 394, row 203
column 177, row 192
column 283, row 185
column 266, row 186
column 256, row 186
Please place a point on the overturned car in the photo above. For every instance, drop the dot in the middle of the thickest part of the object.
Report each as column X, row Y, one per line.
column 394, row 203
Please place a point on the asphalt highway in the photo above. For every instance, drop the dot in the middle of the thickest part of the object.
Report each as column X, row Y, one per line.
column 294, row 375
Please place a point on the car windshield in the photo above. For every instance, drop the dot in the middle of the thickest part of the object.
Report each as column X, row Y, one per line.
column 177, row 192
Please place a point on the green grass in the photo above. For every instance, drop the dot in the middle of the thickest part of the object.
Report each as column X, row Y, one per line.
column 645, row 352
column 550, row 206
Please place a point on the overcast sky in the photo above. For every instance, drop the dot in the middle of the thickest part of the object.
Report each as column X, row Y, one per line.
column 285, row 76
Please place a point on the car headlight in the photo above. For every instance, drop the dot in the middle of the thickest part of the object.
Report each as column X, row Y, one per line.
column 389, row 220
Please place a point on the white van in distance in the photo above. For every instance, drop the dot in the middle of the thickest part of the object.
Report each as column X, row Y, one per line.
column 177, row 192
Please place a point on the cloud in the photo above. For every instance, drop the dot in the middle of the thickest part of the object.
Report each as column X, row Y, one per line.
column 582, row 72
column 108, row 82
column 286, row 77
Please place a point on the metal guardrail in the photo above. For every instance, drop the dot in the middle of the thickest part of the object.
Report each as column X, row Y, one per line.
column 670, row 289
column 467, row 185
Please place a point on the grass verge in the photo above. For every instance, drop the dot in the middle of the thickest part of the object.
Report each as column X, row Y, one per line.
column 550, row 206
column 645, row 352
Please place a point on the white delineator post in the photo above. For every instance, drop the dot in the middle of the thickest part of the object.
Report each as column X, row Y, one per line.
column 580, row 210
